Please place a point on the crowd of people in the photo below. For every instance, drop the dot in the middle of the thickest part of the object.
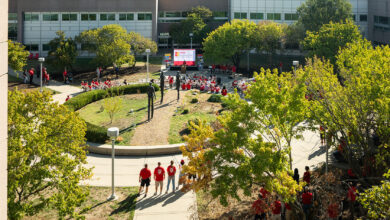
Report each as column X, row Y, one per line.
column 28, row 75
column 225, row 69
column 98, row 84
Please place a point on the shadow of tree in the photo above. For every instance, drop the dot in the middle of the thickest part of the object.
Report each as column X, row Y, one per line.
column 95, row 206
column 126, row 205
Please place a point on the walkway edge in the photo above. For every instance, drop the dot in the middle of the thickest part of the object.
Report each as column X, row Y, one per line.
column 105, row 149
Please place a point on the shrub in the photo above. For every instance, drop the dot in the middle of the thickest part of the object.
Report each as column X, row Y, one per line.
column 96, row 133
column 194, row 100
column 185, row 111
column 215, row 98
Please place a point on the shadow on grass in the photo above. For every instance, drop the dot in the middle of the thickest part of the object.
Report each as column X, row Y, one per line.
column 95, row 206
column 126, row 206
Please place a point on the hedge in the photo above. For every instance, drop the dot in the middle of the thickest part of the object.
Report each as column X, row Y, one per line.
column 96, row 133
column 215, row 98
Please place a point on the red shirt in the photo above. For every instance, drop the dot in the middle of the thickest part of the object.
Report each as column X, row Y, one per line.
column 31, row 72
column 145, row 173
column 352, row 194
column 171, row 80
column 276, row 208
column 306, row 198
column 183, row 86
column 333, row 210
column 224, row 92
column 306, row 177
column 67, row 98
column 188, row 86
column 171, row 170
column 259, row 206
column 65, row 73
column 47, row 77
column 159, row 173
column 288, row 207
column 233, row 69
column 264, row 192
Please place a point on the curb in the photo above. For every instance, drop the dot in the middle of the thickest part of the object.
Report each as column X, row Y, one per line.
column 105, row 149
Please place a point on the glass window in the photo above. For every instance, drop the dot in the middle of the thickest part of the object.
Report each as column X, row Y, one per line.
column 290, row 17
column 383, row 20
column 144, row 16
column 220, row 14
column 12, row 31
column 12, row 16
column 257, row 16
column 126, row 17
column 161, row 14
column 175, row 14
column 45, row 47
column 354, row 17
column 50, row 17
column 274, row 16
column 32, row 47
column 88, row 17
column 31, row 17
column 240, row 15
column 69, row 17
column 107, row 17
column 363, row 17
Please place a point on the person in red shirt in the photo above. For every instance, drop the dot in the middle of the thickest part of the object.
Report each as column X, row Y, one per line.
column 46, row 76
column 144, row 179
column 188, row 86
column 351, row 196
column 224, row 91
column 306, row 175
column 67, row 98
column 183, row 86
column 31, row 73
column 333, row 211
column 171, row 170
column 259, row 208
column 64, row 74
column 288, row 212
column 234, row 69
column 159, row 176
column 264, row 193
column 276, row 208
column 170, row 79
column 307, row 198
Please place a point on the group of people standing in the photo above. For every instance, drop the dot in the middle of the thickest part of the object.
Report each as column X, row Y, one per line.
column 28, row 75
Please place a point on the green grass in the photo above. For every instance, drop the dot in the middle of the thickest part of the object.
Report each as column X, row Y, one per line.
column 124, row 119
column 156, row 60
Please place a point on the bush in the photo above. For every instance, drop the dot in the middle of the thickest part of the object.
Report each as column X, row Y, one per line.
column 86, row 98
column 215, row 98
column 194, row 100
column 185, row 111
column 96, row 133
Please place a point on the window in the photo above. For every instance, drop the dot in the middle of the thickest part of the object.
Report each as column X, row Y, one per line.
column 45, row 47
column 12, row 17
column 107, row 17
column 290, row 17
column 88, row 17
column 126, row 17
column 240, row 15
column 69, row 17
column 354, row 17
column 32, row 47
column 50, row 17
column 31, row 17
column 12, row 31
column 257, row 16
column 144, row 16
column 171, row 14
column 363, row 17
column 274, row 16
column 220, row 14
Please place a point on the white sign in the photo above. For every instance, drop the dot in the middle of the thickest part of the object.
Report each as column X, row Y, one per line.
column 184, row 55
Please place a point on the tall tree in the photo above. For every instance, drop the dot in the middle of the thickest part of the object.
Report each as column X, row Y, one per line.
column 140, row 43
column 295, row 33
column 109, row 43
column 315, row 13
column 359, row 109
column 201, row 11
column 63, row 51
column 270, row 37
column 230, row 41
column 17, row 55
column 195, row 24
column 331, row 37
column 46, row 156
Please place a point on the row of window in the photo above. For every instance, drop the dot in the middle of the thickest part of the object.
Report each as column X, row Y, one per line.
column 89, row 17
column 278, row 16
column 183, row 14
column 46, row 47
column 382, row 23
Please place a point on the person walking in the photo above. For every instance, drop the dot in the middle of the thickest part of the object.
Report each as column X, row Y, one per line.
column 98, row 73
column 65, row 75
column 181, row 174
column 306, row 175
column 178, row 85
column 296, row 175
column 276, row 209
column 307, row 198
column 31, row 72
column 171, row 170
column 159, row 176
column 25, row 76
column 259, row 208
column 144, row 179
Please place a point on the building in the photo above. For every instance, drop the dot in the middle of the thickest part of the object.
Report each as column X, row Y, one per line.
column 34, row 23
column 3, row 108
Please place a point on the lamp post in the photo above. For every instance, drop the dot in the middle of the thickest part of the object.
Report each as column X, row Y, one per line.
column 191, row 35
column 41, row 60
column 147, row 64
column 295, row 64
column 112, row 133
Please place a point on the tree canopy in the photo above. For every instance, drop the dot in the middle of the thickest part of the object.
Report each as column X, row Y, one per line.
column 139, row 44
column 230, row 41
column 315, row 13
column 63, row 51
column 109, row 43
column 46, row 156
column 270, row 37
column 331, row 37
column 17, row 55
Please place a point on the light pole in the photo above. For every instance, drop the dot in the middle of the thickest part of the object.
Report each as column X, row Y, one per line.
column 295, row 64
column 112, row 133
column 147, row 64
column 41, row 60
column 191, row 35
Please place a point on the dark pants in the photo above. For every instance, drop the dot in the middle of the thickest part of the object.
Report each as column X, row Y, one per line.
column 306, row 210
column 150, row 108
column 178, row 94
column 31, row 79
column 260, row 216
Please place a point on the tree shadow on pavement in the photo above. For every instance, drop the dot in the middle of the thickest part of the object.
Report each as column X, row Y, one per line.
column 165, row 199
column 126, row 205
column 321, row 150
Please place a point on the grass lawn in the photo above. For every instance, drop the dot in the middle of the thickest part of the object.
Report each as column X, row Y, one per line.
column 124, row 119
column 97, row 206
column 202, row 110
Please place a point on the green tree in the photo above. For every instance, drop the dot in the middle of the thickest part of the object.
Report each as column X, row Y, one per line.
column 359, row 109
column 330, row 39
column 230, row 41
column 140, row 43
column 201, row 11
column 110, row 45
column 112, row 106
column 46, row 156
column 295, row 33
column 270, row 37
column 63, row 51
column 377, row 199
column 17, row 55
column 194, row 24
column 315, row 13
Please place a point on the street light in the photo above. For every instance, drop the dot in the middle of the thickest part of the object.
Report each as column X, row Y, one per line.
column 295, row 64
column 112, row 133
column 41, row 60
column 191, row 35
column 147, row 64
